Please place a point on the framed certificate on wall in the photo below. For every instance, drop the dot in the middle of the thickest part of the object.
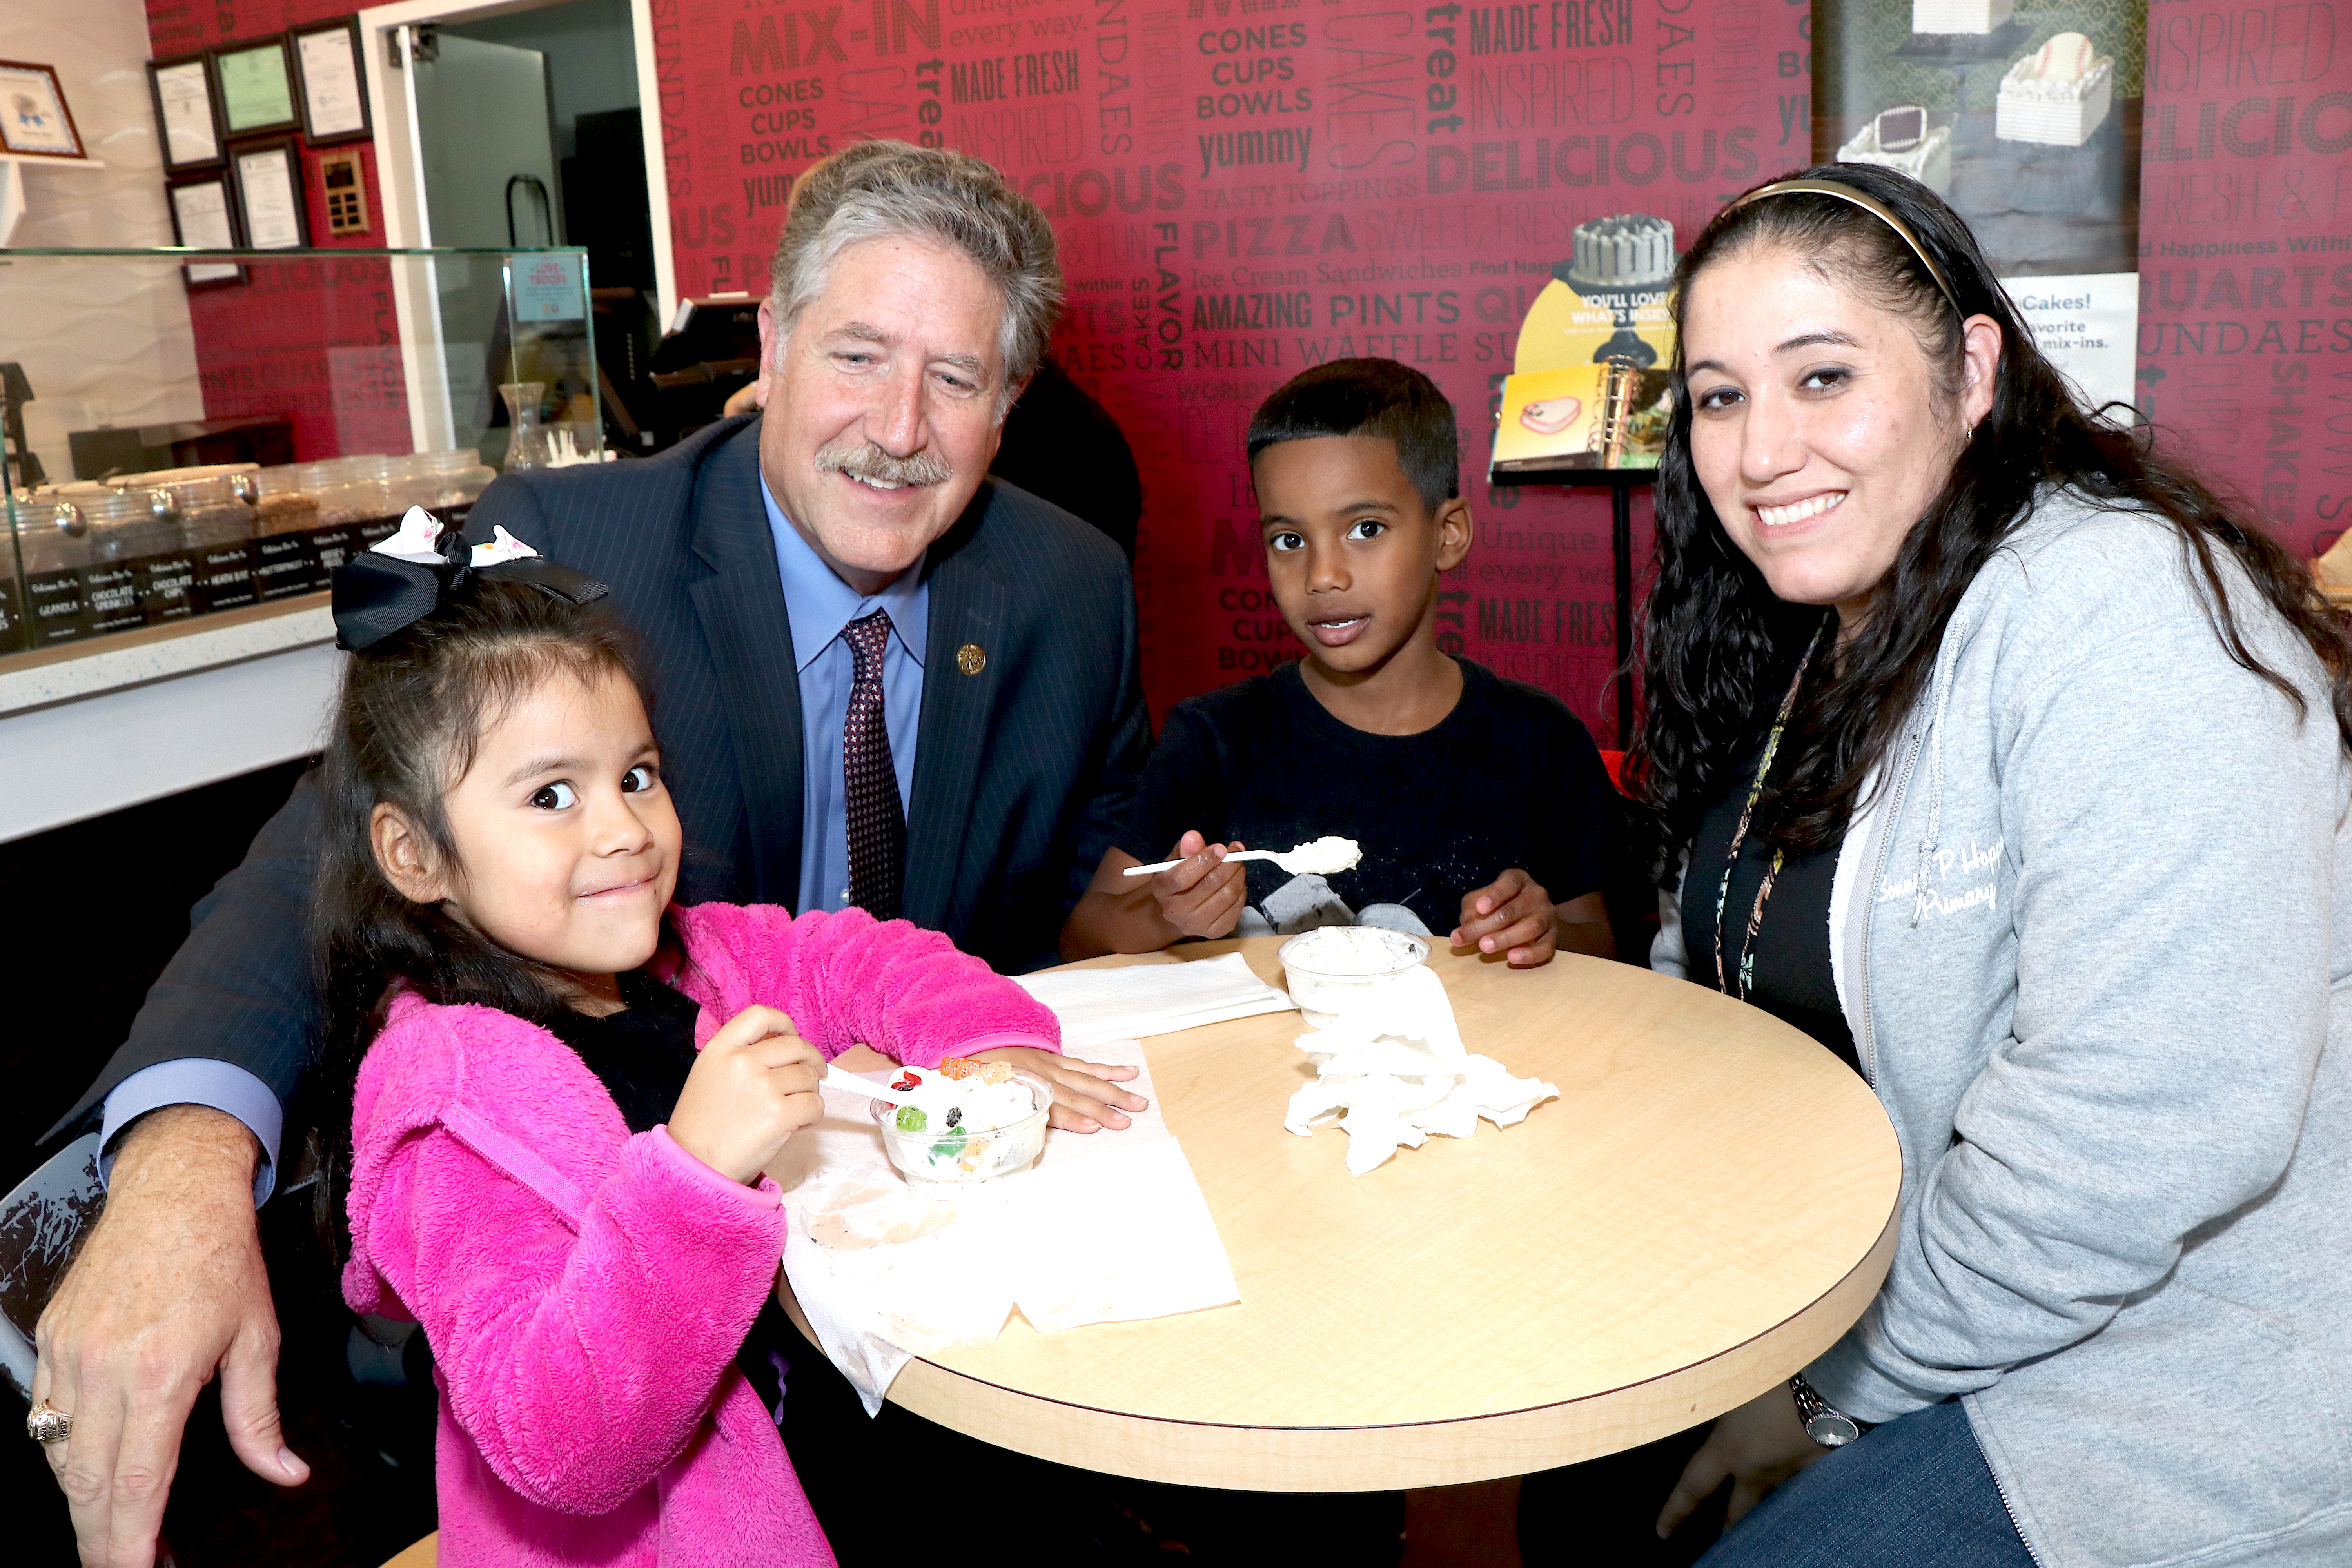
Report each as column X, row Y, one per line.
column 187, row 116
column 334, row 91
column 202, row 215
column 33, row 113
column 266, row 177
column 255, row 86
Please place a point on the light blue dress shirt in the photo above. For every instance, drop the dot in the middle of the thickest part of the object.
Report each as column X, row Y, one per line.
column 197, row 1080
column 820, row 605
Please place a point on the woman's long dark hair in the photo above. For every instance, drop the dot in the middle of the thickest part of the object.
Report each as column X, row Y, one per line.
column 414, row 709
column 1718, row 649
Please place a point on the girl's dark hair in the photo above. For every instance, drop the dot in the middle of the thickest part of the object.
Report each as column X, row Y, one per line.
column 414, row 709
column 1718, row 649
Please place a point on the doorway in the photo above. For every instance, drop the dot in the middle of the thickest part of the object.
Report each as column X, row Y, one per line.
column 592, row 190
column 506, row 128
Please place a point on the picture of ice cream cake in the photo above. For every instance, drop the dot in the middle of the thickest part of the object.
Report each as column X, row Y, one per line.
column 1622, row 250
column 1901, row 138
column 2058, row 96
column 1625, row 263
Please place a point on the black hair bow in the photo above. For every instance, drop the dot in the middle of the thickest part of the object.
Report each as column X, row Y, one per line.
column 377, row 595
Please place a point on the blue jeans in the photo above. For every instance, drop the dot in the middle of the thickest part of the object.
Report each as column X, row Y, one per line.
column 1914, row 1493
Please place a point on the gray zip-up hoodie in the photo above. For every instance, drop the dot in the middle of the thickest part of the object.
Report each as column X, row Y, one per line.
column 2094, row 936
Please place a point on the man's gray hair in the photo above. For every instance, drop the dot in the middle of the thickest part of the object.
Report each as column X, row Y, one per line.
column 890, row 190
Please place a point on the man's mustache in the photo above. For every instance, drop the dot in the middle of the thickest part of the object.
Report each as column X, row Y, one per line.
column 865, row 460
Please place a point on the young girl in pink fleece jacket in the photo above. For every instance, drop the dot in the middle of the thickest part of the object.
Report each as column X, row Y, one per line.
column 542, row 1169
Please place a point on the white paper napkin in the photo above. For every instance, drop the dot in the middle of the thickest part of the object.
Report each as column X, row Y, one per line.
column 1106, row 1228
column 1138, row 999
column 1118, row 1237
column 1394, row 1062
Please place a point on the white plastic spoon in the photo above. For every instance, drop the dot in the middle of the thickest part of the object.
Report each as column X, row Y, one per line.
column 1322, row 857
column 835, row 1078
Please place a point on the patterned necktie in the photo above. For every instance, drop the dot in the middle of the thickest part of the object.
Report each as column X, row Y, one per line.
column 878, row 825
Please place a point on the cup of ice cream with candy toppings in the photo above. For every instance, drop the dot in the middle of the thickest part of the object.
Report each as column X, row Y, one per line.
column 966, row 1121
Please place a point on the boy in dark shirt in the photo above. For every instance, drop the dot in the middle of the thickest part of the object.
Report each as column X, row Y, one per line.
column 1481, row 805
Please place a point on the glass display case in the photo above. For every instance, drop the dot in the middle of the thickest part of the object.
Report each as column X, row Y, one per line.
column 190, row 432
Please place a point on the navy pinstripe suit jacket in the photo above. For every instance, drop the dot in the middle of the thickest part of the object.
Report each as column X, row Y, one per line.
column 1019, row 768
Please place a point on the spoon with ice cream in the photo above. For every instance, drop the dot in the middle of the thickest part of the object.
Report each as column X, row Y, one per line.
column 1321, row 857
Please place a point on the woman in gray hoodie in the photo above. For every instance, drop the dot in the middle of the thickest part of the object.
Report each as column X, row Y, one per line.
column 1989, row 750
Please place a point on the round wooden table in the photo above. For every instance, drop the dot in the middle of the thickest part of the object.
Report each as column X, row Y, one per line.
column 1706, row 1208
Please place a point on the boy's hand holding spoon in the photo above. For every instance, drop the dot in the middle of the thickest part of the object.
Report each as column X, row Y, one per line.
column 1199, row 891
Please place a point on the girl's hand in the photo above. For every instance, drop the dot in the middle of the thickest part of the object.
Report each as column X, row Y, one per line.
column 1757, row 1446
column 1203, row 897
column 1084, row 1100
column 751, row 1089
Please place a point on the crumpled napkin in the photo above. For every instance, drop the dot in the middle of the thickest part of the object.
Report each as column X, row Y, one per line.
column 1394, row 1062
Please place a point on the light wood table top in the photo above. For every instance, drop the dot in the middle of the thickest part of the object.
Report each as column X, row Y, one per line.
column 1706, row 1208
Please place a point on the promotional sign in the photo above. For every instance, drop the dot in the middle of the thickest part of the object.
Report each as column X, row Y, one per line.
column 547, row 288
column 1592, row 386
column 1609, row 300
column 1612, row 415
column 2029, row 125
column 1245, row 188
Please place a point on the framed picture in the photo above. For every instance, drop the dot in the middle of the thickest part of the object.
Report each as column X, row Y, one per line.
column 187, row 115
column 203, row 217
column 254, row 84
column 340, row 182
column 33, row 113
column 334, row 91
column 266, row 178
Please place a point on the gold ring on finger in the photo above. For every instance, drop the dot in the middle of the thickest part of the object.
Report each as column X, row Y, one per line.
column 47, row 1424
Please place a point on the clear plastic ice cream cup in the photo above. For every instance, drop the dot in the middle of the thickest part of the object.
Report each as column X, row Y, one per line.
column 1333, row 967
column 927, row 1150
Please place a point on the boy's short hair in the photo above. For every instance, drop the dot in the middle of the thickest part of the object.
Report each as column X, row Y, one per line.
column 1369, row 397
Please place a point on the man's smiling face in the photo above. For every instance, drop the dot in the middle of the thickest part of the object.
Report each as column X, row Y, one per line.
column 885, row 402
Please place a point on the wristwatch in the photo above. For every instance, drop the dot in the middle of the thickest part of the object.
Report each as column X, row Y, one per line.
column 1825, row 1423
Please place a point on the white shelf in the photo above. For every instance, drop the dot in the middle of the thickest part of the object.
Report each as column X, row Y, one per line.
column 74, row 670
column 87, row 731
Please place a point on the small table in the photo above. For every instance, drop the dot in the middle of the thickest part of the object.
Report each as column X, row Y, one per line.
column 1707, row 1207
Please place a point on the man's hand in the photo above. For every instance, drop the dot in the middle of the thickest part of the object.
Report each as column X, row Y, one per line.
column 1755, row 1446
column 1203, row 896
column 1084, row 1100
column 169, row 1287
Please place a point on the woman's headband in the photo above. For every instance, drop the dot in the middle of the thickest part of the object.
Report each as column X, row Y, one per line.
column 1841, row 191
column 397, row 582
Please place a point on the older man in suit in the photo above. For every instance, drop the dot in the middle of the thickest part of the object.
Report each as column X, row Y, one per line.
column 883, row 680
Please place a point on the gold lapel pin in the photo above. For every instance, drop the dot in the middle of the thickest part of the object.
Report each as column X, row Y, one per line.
column 972, row 659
